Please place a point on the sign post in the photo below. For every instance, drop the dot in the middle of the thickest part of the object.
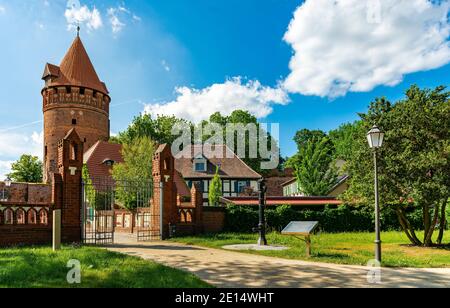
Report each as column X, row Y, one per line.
column 56, row 230
column 302, row 228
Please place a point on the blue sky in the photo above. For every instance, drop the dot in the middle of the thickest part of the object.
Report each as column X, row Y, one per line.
column 190, row 57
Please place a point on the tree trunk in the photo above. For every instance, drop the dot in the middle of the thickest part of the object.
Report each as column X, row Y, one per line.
column 408, row 229
column 426, row 220
column 428, row 241
column 443, row 222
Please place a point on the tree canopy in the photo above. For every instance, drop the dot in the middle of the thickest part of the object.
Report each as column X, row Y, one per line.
column 135, row 174
column 315, row 172
column 414, row 169
column 28, row 169
column 158, row 129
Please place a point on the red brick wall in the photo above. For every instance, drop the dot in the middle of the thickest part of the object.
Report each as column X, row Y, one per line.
column 25, row 235
column 213, row 219
column 64, row 193
column 26, row 197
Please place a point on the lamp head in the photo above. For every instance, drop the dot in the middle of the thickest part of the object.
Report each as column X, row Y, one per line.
column 375, row 137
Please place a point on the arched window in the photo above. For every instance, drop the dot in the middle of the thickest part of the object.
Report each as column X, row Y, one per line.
column 43, row 217
column 32, row 217
column 20, row 214
column 73, row 151
column 9, row 217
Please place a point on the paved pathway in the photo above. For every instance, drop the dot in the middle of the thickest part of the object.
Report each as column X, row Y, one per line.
column 227, row 269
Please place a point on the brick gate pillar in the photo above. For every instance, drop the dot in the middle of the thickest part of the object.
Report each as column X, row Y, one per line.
column 68, row 196
column 197, row 203
column 164, row 172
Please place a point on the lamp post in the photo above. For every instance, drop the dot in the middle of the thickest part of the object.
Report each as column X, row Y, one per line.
column 262, row 219
column 375, row 137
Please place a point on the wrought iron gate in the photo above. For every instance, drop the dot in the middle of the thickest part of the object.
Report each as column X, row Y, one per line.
column 146, row 223
column 101, row 196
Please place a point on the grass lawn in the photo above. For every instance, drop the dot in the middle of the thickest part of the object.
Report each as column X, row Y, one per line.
column 341, row 248
column 41, row 267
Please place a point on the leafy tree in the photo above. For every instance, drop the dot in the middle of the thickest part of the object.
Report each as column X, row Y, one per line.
column 245, row 118
column 159, row 129
column 315, row 173
column 215, row 189
column 98, row 200
column 302, row 137
column 344, row 139
column 28, row 169
column 414, row 169
column 135, row 174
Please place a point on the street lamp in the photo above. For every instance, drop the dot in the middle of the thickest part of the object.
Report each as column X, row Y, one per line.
column 375, row 137
column 262, row 219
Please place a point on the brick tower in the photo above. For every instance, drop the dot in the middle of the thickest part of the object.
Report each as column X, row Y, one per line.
column 73, row 97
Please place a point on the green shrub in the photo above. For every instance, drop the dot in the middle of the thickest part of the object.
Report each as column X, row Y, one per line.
column 341, row 219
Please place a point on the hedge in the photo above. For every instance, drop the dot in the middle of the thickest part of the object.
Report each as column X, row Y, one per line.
column 333, row 220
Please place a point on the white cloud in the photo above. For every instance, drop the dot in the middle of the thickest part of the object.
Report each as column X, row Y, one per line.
column 118, row 16
column 76, row 14
column 13, row 145
column 116, row 24
column 5, row 168
column 196, row 105
column 2, row 10
column 353, row 45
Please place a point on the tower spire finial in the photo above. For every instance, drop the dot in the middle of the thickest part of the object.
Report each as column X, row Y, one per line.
column 78, row 30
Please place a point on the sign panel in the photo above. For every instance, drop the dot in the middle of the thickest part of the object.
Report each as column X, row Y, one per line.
column 300, row 228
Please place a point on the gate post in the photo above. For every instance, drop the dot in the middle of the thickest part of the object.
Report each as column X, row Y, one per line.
column 161, row 210
column 70, row 165
column 165, row 193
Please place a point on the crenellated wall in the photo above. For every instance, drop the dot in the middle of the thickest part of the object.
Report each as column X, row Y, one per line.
column 66, row 108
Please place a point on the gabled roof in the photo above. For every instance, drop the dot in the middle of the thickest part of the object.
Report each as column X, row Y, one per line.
column 72, row 134
column 76, row 69
column 231, row 166
column 94, row 158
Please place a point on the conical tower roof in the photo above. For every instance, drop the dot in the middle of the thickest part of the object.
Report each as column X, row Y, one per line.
column 76, row 69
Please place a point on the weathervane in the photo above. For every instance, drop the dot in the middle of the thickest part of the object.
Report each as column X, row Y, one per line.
column 78, row 29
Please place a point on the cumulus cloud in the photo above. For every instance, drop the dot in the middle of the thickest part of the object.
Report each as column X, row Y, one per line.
column 13, row 145
column 76, row 14
column 353, row 45
column 197, row 105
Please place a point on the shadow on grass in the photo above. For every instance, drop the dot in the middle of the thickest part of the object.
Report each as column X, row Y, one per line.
column 335, row 256
column 40, row 267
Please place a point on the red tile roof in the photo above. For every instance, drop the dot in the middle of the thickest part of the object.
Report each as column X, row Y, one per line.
column 76, row 69
column 274, row 201
column 231, row 166
column 95, row 157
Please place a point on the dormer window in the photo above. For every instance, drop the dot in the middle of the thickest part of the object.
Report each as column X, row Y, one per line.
column 200, row 164
column 108, row 162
